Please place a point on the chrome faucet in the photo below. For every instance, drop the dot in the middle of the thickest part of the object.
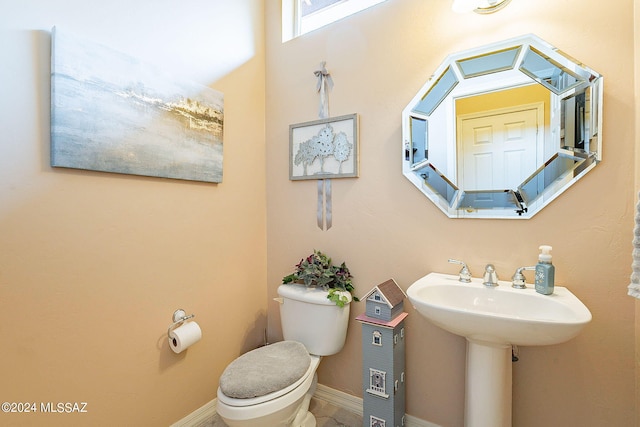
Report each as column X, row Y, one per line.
column 518, row 280
column 490, row 276
column 465, row 274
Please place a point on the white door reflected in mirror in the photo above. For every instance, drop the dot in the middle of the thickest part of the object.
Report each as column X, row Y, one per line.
column 498, row 150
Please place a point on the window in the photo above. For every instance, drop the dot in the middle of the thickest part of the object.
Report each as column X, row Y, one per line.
column 377, row 384
column 377, row 310
column 303, row 16
column 377, row 338
column 376, row 422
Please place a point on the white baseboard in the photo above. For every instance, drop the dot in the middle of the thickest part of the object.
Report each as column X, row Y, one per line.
column 354, row 404
column 339, row 398
column 201, row 416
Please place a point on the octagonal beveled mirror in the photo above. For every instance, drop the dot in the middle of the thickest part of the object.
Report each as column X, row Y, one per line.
column 502, row 130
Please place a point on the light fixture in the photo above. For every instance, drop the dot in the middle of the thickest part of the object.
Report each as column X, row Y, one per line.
column 478, row 6
column 464, row 6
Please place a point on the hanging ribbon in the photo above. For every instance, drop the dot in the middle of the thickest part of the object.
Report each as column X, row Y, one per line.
column 323, row 86
column 325, row 215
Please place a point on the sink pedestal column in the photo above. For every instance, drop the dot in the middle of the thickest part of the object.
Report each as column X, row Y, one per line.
column 488, row 388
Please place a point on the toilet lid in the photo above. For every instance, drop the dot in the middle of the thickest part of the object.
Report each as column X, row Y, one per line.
column 265, row 370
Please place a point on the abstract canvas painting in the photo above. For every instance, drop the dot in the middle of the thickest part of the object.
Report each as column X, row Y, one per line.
column 110, row 112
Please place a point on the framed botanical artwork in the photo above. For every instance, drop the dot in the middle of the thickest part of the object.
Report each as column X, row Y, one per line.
column 325, row 148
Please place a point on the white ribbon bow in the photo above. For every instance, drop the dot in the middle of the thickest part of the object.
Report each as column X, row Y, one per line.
column 324, row 85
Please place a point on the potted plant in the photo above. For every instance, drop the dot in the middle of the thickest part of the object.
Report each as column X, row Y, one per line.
column 318, row 270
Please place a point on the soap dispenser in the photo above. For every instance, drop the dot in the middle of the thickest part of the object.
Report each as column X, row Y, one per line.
column 545, row 271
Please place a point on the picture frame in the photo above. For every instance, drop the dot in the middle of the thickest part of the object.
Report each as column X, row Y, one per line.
column 325, row 148
column 110, row 112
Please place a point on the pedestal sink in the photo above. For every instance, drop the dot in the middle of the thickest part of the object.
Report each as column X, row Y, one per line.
column 492, row 319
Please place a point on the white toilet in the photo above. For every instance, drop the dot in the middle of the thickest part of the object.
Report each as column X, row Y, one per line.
column 273, row 385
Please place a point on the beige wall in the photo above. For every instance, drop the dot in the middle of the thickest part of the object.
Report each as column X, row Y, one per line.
column 510, row 98
column 636, row 188
column 92, row 265
column 383, row 227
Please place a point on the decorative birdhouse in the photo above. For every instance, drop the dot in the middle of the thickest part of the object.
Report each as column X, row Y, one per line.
column 383, row 356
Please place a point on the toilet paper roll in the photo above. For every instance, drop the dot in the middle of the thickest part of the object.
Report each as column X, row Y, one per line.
column 184, row 336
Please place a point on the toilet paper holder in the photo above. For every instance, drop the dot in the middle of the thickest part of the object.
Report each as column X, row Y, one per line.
column 179, row 317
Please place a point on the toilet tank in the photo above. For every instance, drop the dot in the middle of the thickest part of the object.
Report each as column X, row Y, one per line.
column 307, row 316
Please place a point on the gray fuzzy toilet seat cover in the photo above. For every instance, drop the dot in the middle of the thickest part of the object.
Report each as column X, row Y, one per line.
column 265, row 370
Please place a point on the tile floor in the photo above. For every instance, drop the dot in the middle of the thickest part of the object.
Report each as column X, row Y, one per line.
column 327, row 415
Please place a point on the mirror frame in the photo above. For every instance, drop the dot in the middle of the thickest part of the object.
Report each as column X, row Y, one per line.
column 434, row 105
